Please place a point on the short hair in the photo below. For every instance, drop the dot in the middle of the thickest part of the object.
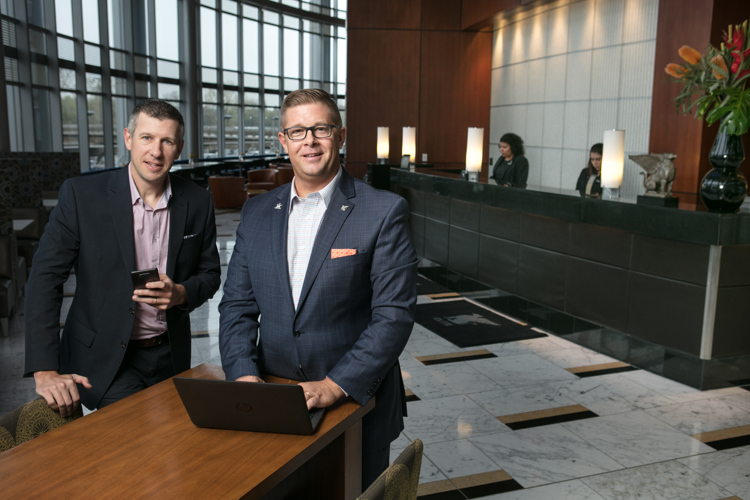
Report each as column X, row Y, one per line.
column 311, row 96
column 515, row 143
column 159, row 109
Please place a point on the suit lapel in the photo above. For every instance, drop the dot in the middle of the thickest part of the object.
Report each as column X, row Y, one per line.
column 333, row 219
column 121, row 210
column 279, row 219
column 178, row 208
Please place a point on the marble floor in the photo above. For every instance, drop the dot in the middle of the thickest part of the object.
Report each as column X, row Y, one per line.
column 527, row 420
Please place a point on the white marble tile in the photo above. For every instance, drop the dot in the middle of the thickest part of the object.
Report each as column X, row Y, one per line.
column 573, row 357
column 558, row 25
column 636, row 438
column 419, row 332
column 430, row 347
column 459, row 458
column 608, row 394
column 428, row 472
column 450, row 379
column 406, row 360
column 521, row 370
column 554, row 89
column 551, row 166
column 568, row 490
column 544, row 344
column 730, row 469
column 505, row 349
column 451, row 418
column 544, row 455
column 666, row 480
column 521, row 399
column 741, row 399
column 702, row 416
column 536, row 81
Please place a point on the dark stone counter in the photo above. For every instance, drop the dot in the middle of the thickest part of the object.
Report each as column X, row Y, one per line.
column 671, row 285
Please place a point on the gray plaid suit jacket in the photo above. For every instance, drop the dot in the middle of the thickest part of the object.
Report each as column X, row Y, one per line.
column 354, row 315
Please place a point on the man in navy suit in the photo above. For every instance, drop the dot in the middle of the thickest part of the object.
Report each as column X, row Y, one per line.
column 321, row 286
column 118, row 340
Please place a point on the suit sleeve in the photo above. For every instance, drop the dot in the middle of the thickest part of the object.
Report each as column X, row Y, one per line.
column 521, row 173
column 239, row 314
column 394, row 296
column 202, row 284
column 57, row 252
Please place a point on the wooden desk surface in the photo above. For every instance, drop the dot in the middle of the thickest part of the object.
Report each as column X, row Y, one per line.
column 146, row 446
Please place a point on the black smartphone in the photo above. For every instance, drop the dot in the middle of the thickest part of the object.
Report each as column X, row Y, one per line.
column 140, row 278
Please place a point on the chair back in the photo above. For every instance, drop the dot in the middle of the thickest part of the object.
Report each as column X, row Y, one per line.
column 285, row 175
column 227, row 191
column 400, row 480
column 29, row 421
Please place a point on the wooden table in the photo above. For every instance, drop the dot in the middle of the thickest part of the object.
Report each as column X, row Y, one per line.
column 146, row 447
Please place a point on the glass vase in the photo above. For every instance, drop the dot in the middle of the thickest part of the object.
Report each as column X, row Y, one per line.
column 724, row 188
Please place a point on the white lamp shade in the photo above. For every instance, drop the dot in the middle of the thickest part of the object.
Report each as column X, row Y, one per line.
column 613, row 158
column 409, row 144
column 383, row 145
column 474, row 143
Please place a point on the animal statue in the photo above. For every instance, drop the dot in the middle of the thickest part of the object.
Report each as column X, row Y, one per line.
column 659, row 173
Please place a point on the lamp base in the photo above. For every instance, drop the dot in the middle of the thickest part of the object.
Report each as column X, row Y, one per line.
column 382, row 161
column 611, row 194
column 473, row 176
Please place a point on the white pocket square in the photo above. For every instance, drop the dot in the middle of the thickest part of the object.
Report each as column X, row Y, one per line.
column 188, row 236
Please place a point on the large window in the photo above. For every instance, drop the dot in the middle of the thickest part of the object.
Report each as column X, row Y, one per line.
column 75, row 68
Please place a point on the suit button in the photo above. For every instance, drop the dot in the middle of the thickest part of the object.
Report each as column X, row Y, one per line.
column 297, row 333
column 123, row 345
column 132, row 311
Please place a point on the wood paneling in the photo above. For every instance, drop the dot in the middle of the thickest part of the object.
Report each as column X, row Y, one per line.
column 383, row 90
column 694, row 23
column 384, row 14
column 478, row 15
column 455, row 93
column 441, row 15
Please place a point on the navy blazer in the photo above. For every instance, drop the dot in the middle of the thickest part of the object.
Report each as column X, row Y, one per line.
column 91, row 229
column 354, row 314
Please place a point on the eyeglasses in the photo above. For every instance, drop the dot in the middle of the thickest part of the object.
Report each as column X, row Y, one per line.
column 318, row 131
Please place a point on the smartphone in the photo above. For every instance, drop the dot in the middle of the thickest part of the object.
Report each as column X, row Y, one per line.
column 140, row 278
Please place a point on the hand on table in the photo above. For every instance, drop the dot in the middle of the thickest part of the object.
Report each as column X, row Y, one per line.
column 60, row 391
column 321, row 393
column 251, row 378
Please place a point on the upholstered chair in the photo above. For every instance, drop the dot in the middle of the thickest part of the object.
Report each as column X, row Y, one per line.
column 29, row 421
column 400, row 480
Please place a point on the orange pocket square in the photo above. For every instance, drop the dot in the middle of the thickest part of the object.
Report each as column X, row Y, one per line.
column 342, row 252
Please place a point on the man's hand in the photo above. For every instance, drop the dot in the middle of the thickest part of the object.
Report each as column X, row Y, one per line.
column 161, row 294
column 322, row 393
column 60, row 391
column 251, row 378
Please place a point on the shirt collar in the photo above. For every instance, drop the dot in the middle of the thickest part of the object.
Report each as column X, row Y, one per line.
column 135, row 196
column 326, row 193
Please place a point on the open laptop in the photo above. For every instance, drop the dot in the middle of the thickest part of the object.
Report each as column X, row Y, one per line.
column 247, row 406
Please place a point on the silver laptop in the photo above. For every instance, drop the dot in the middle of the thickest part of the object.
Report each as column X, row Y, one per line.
column 247, row 406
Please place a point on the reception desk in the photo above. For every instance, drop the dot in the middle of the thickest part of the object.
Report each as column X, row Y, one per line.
column 663, row 289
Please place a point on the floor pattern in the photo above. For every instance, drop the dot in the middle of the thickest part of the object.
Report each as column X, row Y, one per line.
column 532, row 419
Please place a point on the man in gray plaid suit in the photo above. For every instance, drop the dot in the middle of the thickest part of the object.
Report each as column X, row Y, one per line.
column 326, row 268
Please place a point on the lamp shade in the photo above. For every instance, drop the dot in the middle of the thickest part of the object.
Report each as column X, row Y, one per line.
column 613, row 158
column 409, row 144
column 474, row 143
column 383, row 145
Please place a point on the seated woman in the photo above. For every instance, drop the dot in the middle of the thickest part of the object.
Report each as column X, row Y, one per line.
column 512, row 169
column 590, row 181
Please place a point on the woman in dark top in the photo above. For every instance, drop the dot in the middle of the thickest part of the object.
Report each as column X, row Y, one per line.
column 590, row 181
column 512, row 169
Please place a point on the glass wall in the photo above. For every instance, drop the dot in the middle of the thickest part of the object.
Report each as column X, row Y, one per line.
column 80, row 66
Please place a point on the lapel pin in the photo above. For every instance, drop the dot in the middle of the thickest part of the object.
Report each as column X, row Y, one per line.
column 344, row 207
column 277, row 207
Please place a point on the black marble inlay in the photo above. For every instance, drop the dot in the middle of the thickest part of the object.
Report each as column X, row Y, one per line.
column 199, row 335
column 458, row 359
column 495, row 488
column 726, row 444
column 608, row 371
column 412, row 397
column 557, row 419
column 444, row 495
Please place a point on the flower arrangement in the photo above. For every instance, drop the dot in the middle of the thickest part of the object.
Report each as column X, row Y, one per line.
column 718, row 78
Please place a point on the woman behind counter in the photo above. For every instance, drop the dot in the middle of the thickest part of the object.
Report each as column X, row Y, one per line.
column 590, row 181
column 512, row 169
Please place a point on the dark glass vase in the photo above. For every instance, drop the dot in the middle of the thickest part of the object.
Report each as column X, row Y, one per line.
column 724, row 188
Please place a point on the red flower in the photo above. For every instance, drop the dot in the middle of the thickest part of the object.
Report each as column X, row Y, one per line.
column 735, row 50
